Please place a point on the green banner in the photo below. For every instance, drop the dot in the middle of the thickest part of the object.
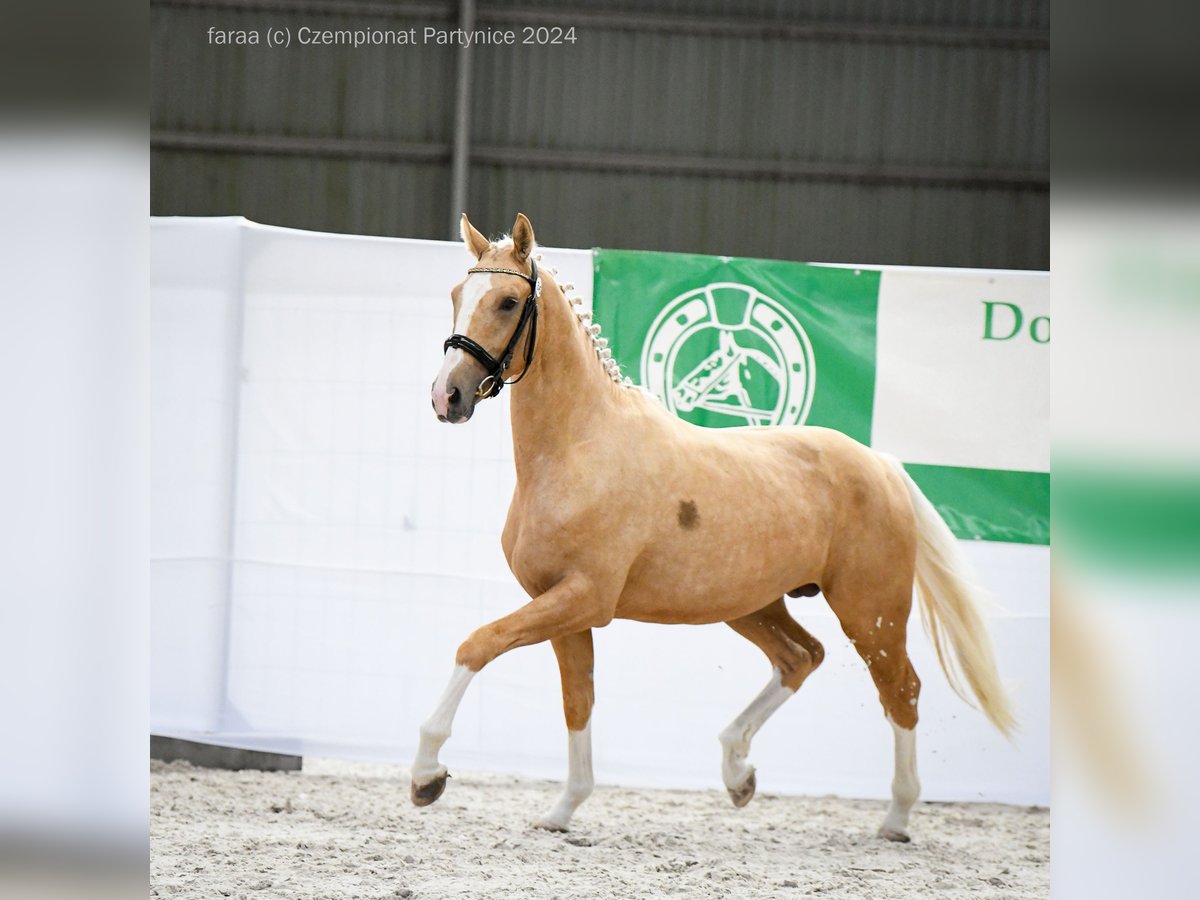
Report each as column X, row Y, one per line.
column 721, row 341
column 1126, row 515
column 728, row 342
column 988, row 504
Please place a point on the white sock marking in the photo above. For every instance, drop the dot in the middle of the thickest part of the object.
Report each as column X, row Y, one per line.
column 579, row 779
column 906, row 786
column 735, row 739
column 425, row 767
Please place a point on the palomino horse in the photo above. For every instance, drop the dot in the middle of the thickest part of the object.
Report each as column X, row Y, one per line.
column 622, row 510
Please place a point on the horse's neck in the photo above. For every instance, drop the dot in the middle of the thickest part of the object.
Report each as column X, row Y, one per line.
column 566, row 394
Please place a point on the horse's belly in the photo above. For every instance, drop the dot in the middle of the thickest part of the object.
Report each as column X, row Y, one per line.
column 706, row 588
column 704, row 612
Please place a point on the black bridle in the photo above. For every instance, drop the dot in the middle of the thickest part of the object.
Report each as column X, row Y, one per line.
column 494, row 380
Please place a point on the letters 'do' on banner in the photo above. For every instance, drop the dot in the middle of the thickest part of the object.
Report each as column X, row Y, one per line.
column 947, row 370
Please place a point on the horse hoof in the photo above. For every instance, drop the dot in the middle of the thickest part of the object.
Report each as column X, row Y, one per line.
column 550, row 825
column 744, row 794
column 424, row 794
column 893, row 834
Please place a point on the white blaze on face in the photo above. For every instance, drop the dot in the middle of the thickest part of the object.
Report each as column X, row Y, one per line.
column 473, row 291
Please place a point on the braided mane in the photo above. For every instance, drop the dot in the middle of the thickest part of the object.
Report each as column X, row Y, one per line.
column 592, row 329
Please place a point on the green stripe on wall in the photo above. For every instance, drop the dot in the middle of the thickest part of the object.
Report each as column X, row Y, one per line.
column 988, row 504
column 1128, row 517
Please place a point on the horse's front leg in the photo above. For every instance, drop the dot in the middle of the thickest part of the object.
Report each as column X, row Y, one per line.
column 574, row 652
column 571, row 606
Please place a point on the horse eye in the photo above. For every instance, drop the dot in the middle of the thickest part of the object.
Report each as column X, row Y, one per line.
column 508, row 303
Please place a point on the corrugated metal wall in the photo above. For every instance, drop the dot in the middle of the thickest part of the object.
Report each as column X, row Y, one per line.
column 888, row 132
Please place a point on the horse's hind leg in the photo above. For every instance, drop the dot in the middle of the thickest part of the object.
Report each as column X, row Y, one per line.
column 574, row 652
column 878, row 631
column 794, row 654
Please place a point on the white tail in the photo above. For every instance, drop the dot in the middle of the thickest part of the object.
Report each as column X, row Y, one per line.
column 950, row 609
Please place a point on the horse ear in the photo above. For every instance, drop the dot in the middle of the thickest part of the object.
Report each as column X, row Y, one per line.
column 522, row 237
column 476, row 242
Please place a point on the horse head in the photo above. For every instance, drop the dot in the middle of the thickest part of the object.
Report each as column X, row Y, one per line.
column 495, row 321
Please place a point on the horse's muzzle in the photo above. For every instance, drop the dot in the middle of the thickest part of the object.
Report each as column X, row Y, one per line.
column 453, row 405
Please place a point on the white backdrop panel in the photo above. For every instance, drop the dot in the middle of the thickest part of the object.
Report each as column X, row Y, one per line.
column 365, row 548
column 196, row 321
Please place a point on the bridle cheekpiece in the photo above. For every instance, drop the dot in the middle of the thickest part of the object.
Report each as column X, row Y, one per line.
column 494, row 381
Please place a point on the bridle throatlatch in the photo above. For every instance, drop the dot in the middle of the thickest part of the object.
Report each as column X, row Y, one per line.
column 494, row 380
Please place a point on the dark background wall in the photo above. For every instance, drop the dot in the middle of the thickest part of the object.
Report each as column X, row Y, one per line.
column 910, row 131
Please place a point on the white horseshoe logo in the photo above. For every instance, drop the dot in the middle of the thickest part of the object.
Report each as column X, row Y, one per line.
column 762, row 371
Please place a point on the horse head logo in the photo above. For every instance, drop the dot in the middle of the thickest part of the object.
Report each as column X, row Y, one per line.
column 727, row 354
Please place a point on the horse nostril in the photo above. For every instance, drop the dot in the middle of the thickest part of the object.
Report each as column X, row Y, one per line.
column 454, row 396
